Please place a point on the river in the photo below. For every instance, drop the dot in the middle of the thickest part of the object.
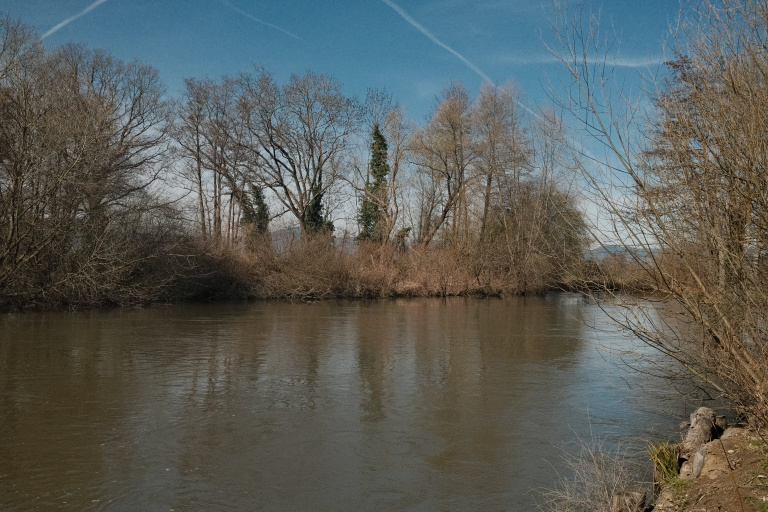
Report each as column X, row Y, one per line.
column 425, row 404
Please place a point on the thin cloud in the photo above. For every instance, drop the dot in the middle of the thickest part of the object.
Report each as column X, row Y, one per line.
column 435, row 40
column 73, row 18
column 471, row 66
column 619, row 62
column 257, row 20
column 642, row 62
column 511, row 7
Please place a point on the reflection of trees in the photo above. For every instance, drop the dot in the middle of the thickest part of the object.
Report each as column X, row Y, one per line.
column 100, row 402
column 59, row 403
column 407, row 397
column 448, row 385
column 477, row 366
column 373, row 350
column 522, row 329
column 298, row 343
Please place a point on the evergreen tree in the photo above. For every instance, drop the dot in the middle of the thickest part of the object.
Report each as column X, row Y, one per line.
column 374, row 203
column 255, row 210
column 313, row 215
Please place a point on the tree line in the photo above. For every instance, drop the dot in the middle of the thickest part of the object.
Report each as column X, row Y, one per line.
column 112, row 192
column 84, row 141
column 453, row 179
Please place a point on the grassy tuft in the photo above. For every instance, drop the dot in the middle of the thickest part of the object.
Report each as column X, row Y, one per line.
column 664, row 456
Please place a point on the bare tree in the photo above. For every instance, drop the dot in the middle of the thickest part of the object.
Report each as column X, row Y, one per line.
column 536, row 232
column 298, row 137
column 397, row 131
column 211, row 134
column 444, row 152
column 691, row 198
column 83, row 138
column 504, row 151
column 188, row 133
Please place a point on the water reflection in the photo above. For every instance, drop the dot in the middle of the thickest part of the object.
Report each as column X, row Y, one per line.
column 457, row 404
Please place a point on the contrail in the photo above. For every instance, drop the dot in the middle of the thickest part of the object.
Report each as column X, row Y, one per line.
column 257, row 20
column 583, row 150
column 73, row 18
column 438, row 42
column 435, row 40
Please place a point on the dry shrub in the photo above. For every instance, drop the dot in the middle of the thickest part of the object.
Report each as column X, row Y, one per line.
column 135, row 259
column 435, row 272
column 213, row 273
column 594, row 475
column 309, row 269
column 375, row 270
column 174, row 266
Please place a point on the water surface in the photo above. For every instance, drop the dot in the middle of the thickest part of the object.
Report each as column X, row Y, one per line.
column 427, row 404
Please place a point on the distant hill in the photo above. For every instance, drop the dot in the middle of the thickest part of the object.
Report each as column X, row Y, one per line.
column 600, row 253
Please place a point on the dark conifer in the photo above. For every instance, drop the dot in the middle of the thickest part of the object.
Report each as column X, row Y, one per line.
column 375, row 200
column 314, row 220
column 255, row 210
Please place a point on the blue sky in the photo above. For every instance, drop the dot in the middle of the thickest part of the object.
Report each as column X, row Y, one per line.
column 411, row 48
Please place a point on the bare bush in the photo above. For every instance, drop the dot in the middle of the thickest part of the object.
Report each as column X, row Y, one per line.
column 374, row 271
column 310, row 269
column 592, row 479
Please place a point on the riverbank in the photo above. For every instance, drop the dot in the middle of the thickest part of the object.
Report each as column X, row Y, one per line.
column 733, row 476
column 308, row 270
column 714, row 468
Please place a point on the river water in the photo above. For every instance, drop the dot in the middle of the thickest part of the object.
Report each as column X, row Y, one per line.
column 424, row 404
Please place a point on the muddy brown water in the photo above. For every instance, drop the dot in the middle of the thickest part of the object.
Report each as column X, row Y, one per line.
column 425, row 404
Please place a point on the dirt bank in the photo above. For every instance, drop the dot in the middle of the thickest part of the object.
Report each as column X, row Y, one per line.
column 733, row 477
